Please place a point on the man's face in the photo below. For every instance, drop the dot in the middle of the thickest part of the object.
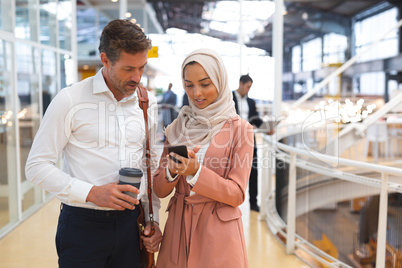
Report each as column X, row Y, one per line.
column 124, row 75
column 244, row 88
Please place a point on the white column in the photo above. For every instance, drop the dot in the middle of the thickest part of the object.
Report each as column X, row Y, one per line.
column 277, row 48
column 123, row 9
column 291, row 217
column 13, row 151
column 265, row 178
column 145, row 22
column 33, row 18
column 382, row 223
column 74, row 45
column 97, row 26
column 240, row 36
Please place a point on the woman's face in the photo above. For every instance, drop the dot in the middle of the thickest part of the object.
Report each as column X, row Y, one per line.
column 199, row 87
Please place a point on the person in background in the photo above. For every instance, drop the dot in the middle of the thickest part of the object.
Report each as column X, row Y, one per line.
column 247, row 110
column 169, row 106
column 185, row 100
column 204, row 226
column 99, row 127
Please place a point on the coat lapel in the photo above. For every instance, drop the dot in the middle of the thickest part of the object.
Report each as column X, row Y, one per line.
column 218, row 152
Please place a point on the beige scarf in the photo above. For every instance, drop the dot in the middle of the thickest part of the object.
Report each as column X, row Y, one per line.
column 196, row 126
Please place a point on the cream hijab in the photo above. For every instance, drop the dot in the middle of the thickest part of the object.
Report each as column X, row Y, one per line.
column 195, row 126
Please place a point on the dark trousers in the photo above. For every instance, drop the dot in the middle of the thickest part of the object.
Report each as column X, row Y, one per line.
column 253, row 182
column 91, row 238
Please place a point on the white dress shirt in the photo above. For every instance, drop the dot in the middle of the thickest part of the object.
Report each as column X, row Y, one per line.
column 97, row 135
column 242, row 104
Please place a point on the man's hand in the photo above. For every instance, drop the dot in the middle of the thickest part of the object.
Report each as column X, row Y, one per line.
column 111, row 195
column 152, row 243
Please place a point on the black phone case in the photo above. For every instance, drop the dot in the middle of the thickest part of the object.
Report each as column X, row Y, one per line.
column 180, row 150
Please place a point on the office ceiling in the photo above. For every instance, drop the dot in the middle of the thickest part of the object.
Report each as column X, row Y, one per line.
column 305, row 19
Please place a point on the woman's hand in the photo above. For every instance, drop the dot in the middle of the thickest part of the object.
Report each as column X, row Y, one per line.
column 188, row 166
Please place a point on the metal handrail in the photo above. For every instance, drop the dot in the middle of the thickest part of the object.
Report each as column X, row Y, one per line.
column 292, row 154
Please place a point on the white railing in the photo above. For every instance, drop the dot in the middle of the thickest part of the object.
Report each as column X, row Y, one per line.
column 295, row 158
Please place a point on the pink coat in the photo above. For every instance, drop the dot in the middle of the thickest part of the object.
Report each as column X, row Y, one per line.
column 205, row 229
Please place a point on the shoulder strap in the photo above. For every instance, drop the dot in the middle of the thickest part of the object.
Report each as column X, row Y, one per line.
column 144, row 103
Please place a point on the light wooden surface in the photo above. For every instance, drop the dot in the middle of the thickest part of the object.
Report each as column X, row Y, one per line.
column 32, row 243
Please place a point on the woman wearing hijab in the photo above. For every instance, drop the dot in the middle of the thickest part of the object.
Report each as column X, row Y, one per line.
column 204, row 226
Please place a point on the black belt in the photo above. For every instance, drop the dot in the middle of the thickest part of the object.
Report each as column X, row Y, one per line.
column 97, row 213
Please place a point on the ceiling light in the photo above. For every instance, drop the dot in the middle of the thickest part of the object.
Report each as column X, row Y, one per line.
column 204, row 30
column 284, row 10
column 133, row 20
column 207, row 15
column 246, row 39
column 114, row 1
column 128, row 14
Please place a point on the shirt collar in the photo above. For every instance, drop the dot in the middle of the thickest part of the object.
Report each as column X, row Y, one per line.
column 239, row 96
column 99, row 83
column 132, row 96
column 100, row 86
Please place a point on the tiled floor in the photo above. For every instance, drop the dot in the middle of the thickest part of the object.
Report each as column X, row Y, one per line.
column 32, row 243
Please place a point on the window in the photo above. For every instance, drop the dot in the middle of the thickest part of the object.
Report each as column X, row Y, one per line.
column 312, row 55
column 48, row 22
column 26, row 20
column 371, row 29
column 296, row 59
column 64, row 17
column 367, row 31
column 335, row 46
column 6, row 16
column 8, row 166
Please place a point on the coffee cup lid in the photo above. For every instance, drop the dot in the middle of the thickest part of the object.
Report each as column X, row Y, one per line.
column 130, row 172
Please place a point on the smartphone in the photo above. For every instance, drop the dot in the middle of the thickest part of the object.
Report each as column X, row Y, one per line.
column 180, row 150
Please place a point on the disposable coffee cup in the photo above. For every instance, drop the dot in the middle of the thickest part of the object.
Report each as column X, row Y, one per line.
column 131, row 176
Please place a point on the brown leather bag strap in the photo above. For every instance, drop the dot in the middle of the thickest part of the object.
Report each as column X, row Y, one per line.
column 144, row 103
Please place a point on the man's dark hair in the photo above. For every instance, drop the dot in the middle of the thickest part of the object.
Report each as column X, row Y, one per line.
column 245, row 79
column 122, row 35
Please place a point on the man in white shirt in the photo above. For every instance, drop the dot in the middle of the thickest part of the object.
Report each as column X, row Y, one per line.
column 99, row 127
column 247, row 110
